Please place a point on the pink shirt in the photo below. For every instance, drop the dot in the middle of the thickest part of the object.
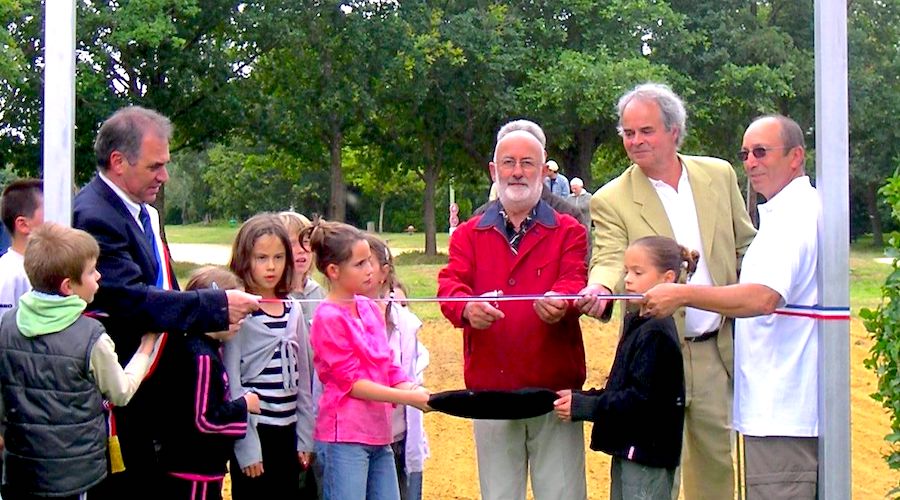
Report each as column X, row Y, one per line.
column 346, row 349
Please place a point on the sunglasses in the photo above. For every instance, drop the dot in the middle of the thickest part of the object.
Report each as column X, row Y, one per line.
column 758, row 152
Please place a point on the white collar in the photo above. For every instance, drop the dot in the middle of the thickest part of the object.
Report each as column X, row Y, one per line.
column 786, row 198
column 658, row 184
column 134, row 208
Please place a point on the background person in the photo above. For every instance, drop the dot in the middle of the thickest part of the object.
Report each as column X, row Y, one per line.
column 557, row 182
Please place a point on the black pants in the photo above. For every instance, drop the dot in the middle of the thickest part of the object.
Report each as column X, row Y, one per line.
column 281, row 467
column 141, row 478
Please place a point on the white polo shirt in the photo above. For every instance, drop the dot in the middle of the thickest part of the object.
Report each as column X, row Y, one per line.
column 682, row 213
column 775, row 356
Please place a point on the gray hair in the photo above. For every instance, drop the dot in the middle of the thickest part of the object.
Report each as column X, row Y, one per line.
column 524, row 125
column 124, row 131
column 670, row 105
column 791, row 133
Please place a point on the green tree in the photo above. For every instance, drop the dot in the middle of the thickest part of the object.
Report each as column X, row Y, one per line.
column 445, row 92
column 582, row 56
column 874, row 31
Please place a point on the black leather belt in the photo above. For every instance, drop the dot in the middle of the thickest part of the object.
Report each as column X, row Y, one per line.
column 703, row 336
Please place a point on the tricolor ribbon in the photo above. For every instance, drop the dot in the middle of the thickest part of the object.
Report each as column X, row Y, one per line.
column 826, row 313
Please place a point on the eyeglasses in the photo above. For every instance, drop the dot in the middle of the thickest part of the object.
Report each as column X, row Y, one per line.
column 758, row 152
column 510, row 163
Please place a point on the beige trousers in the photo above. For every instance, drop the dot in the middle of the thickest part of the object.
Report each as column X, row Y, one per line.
column 552, row 449
column 707, row 468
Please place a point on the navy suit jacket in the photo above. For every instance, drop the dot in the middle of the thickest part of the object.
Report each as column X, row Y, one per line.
column 127, row 293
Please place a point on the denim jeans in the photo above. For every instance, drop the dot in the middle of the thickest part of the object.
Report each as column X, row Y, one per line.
column 359, row 472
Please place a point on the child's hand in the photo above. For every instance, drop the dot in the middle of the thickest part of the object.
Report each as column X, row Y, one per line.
column 252, row 400
column 420, row 397
column 305, row 458
column 563, row 405
column 254, row 470
column 148, row 340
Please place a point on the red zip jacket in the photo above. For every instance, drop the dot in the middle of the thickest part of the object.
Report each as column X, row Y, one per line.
column 519, row 350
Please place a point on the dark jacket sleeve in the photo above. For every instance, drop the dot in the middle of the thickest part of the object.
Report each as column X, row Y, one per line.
column 213, row 413
column 634, row 399
column 124, row 294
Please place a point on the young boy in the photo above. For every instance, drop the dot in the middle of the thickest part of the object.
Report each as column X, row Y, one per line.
column 22, row 211
column 56, row 367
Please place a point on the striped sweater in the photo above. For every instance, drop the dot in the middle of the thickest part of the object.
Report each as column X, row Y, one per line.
column 273, row 361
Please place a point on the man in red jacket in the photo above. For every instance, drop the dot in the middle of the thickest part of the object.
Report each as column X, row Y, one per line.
column 521, row 246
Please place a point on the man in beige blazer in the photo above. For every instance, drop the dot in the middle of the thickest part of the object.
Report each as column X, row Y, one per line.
column 696, row 201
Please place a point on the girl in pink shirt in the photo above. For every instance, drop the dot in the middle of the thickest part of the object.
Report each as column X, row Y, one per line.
column 355, row 365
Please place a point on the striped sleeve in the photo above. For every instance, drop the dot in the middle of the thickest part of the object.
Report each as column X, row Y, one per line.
column 213, row 414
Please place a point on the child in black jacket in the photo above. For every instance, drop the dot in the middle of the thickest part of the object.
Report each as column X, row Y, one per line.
column 639, row 416
column 202, row 423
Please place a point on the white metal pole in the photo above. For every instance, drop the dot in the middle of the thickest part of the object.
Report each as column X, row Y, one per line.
column 832, row 156
column 59, row 109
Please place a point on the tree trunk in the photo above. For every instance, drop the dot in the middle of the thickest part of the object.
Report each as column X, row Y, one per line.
column 871, row 194
column 381, row 216
column 430, row 177
column 337, row 207
column 577, row 158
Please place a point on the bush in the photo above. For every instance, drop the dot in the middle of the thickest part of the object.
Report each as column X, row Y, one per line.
column 884, row 325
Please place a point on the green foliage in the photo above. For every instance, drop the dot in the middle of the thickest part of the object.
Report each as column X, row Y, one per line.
column 244, row 181
column 884, row 325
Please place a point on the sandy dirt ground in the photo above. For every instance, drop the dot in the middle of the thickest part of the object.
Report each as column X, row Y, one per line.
column 452, row 473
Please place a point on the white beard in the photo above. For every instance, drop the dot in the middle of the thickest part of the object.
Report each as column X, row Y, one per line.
column 520, row 198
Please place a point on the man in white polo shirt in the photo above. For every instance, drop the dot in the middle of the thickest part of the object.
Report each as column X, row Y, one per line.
column 775, row 391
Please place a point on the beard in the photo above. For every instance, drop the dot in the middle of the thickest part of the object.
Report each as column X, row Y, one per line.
column 518, row 198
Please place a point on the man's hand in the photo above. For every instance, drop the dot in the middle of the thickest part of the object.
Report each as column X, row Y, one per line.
column 254, row 470
column 662, row 300
column 592, row 304
column 550, row 310
column 240, row 304
column 481, row 315
column 563, row 405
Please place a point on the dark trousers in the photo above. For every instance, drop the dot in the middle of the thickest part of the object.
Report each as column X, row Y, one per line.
column 141, row 478
column 281, row 467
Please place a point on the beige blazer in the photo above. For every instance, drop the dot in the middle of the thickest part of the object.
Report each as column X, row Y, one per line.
column 628, row 208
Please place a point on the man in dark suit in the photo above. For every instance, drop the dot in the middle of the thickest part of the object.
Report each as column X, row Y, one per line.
column 138, row 291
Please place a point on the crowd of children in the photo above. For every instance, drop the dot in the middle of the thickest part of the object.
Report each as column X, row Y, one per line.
column 315, row 395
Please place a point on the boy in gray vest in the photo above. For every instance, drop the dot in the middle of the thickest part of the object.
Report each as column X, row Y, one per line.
column 56, row 368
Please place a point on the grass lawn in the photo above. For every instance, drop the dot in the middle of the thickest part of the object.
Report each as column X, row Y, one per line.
column 866, row 275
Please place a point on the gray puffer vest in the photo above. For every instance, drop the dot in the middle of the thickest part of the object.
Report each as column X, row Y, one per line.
column 55, row 426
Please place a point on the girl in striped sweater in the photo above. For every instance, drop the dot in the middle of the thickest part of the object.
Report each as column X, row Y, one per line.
column 270, row 358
